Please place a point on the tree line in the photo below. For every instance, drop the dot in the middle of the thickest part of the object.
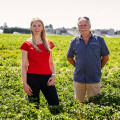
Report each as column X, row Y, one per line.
column 7, row 29
column 16, row 29
column 10, row 30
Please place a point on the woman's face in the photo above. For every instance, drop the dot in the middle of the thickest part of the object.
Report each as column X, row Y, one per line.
column 36, row 28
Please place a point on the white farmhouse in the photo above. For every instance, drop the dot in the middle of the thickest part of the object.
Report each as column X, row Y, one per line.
column 109, row 32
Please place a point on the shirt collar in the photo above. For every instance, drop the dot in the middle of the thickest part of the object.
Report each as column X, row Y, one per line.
column 80, row 36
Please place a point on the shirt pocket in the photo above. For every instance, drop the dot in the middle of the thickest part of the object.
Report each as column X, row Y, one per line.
column 95, row 49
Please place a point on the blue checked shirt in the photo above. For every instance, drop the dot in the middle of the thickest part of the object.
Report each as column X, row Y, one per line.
column 88, row 58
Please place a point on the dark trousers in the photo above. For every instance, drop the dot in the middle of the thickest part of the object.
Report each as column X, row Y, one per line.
column 39, row 82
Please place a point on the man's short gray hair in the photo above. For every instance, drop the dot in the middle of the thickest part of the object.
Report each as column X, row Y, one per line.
column 84, row 18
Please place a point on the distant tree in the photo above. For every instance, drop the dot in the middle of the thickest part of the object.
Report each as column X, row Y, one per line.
column 1, row 27
column 74, row 27
column 50, row 26
column 93, row 31
column 117, row 32
column 47, row 26
column 5, row 25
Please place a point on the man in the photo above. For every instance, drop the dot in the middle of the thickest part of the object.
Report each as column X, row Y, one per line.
column 91, row 54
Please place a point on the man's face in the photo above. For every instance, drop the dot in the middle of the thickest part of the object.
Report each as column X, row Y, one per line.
column 84, row 27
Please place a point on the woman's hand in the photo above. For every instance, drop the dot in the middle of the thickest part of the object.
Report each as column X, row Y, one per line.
column 51, row 81
column 27, row 89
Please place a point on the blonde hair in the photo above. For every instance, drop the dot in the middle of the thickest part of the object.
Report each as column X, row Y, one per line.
column 43, row 36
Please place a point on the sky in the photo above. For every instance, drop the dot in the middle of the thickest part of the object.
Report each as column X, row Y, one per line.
column 103, row 14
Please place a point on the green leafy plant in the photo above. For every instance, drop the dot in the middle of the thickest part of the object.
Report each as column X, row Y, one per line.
column 14, row 104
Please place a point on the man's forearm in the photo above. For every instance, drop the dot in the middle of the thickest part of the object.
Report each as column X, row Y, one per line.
column 71, row 60
column 104, row 61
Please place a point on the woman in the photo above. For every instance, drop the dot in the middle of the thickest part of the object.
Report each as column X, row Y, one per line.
column 38, row 71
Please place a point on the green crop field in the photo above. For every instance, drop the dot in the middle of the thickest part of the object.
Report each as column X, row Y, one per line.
column 13, row 100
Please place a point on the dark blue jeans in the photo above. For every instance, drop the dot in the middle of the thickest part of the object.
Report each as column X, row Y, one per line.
column 38, row 82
